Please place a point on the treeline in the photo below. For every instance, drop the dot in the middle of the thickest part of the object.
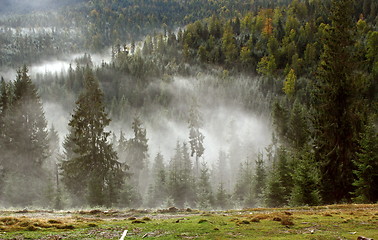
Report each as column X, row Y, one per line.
column 32, row 45
column 95, row 25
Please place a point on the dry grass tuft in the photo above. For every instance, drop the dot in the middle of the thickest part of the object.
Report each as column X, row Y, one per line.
column 138, row 221
column 287, row 221
column 10, row 220
column 53, row 221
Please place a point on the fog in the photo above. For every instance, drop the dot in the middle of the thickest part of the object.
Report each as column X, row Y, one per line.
column 56, row 65
column 26, row 6
column 225, row 122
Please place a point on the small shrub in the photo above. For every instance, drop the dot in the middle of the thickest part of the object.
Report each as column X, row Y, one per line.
column 9, row 220
column 70, row 227
column 53, row 221
column 146, row 219
column 202, row 221
column 42, row 225
column 137, row 221
column 24, row 224
column 95, row 211
column 245, row 222
column 31, row 228
column 287, row 221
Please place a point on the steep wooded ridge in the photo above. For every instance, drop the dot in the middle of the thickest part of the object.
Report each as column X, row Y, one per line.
column 178, row 70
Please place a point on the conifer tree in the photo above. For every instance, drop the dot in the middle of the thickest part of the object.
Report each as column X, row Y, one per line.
column 366, row 163
column 260, row 176
column 3, row 108
column 137, row 152
column 245, row 185
column 26, row 144
column 222, row 198
column 176, row 191
column 279, row 182
column 91, row 168
column 181, row 182
column 195, row 136
column 305, row 180
column 204, row 194
column 337, row 113
column 159, row 182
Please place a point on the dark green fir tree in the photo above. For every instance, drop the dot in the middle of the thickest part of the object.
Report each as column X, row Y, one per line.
column 91, row 170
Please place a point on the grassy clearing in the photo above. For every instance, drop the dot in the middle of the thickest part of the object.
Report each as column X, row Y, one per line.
column 324, row 222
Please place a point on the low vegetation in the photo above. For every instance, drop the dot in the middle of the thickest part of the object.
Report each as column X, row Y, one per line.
column 322, row 222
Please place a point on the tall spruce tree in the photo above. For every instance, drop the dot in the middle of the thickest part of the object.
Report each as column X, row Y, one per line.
column 180, row 177
column 366, row 163
column 195, row 135
column 158, row 191
column 25, row 144
column 337, row 115
column 4, row 102
column 260, row 176
column 137, row 152
column 91, row 168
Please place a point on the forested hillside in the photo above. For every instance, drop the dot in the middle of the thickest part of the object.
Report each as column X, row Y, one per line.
column 202, row 104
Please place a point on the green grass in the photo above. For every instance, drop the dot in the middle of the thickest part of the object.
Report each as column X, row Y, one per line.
column 325, row 222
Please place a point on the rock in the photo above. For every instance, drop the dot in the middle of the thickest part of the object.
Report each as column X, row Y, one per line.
column 138, row 221
column 245, row 222
column 364, row 238
column 172, row 209
column 95, row 211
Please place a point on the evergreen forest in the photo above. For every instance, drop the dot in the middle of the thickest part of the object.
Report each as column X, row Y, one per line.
column 188, row 103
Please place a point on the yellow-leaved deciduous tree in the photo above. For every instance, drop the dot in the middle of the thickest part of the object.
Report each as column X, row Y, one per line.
column 289, row 84
column 267, row 66
column 229, row 47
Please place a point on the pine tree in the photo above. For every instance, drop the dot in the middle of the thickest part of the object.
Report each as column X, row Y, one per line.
column 260, row 177
column 204, row 193
column 305, row 180
column 52, row 167
column 279, row 182
column 244, row 188
column 222, row 198
column 89, row 158
column 159, row 182
column 298, row 127
column 26, row 144
column 181, row 182
column 3, row 109
column 137, row 153
column 175, row 189
column 195, row 136
column 366, row 163
column 337, row 106
column 289, row 84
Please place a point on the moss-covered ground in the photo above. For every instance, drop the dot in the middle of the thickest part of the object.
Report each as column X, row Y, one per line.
column 323, row 222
